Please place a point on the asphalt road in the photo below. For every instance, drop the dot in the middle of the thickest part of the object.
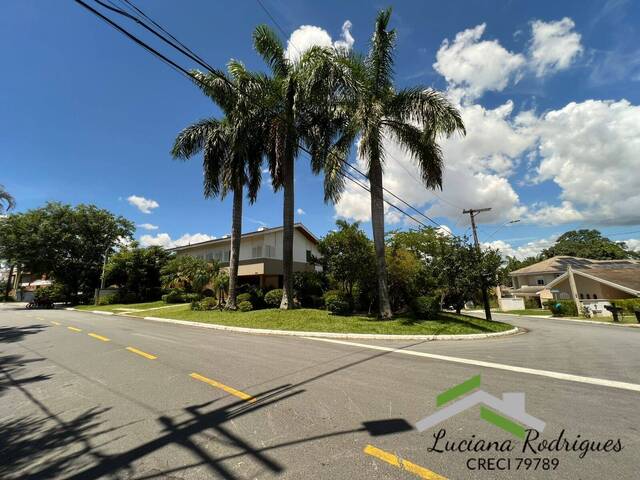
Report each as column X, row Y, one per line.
column 141, row 399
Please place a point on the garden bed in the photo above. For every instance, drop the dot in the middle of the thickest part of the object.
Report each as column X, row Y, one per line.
column 312, row 320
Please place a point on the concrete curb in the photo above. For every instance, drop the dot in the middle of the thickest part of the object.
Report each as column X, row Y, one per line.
column 293, row 333
column 593, row 322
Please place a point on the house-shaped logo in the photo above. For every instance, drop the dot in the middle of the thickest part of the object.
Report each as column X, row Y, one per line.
column 492, row 409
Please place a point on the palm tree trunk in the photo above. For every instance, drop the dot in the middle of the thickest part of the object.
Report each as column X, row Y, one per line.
column 287, row 237
column 7, row 287
column 377, row 224
column 236, row 233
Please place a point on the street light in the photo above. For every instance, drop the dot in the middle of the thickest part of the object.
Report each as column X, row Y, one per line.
column 508, row 222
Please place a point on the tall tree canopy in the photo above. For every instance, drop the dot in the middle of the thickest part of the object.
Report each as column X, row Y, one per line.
column 588, row 244
column 67, row 243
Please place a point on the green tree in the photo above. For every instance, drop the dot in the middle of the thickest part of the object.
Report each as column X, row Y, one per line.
column 588, row 244
column 67, row 243
column 297, row 106
column 187, row 273
column 415, row 117
column 347, row 255
column 6, row 200
column 232, row 151
column 136, row 271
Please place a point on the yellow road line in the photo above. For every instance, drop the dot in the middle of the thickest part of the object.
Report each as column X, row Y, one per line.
column 99, row 337
column 222, row 386
column 410, row 467
column 55, row 323
column 141, row 353
column 74, row 329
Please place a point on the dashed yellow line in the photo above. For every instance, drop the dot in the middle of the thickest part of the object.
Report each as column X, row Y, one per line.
column 99, row 337
column 55, row 323
column 222, row 386
column 141, row 353
column 403, row 464
column 74, row 329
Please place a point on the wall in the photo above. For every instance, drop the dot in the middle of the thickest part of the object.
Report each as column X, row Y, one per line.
column 531, row 280
column 511, row 303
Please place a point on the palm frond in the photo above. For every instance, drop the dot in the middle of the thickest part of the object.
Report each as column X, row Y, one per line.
column 380, row 57
column 192, row 139
column 7, row 199
column 270, row 48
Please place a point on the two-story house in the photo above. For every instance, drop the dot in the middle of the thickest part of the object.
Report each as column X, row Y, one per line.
column 260, row 254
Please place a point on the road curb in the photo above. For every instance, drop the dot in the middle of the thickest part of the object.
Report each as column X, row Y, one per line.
column 293, row 333
column 574, row 320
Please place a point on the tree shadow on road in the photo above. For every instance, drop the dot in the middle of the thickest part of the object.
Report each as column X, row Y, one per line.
column 16, row 334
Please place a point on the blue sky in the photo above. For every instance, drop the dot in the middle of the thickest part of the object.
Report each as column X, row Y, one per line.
column 549, row 92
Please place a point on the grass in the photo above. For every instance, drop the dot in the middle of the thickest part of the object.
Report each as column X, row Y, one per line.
column 311, row 320
column 120, row 307
column 627, row 318
column 529, row 311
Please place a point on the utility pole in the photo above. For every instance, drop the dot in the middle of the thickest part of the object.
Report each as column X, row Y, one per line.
column 104, row 267
column 485, row 296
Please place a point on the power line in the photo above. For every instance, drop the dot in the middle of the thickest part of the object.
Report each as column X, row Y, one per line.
column 187, row 52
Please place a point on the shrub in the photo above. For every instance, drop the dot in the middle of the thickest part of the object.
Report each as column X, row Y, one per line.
column 426, row 307
column 562, row 308
column 628, row 304
column 337, row 295
column 273, row 298
column 174, row 296
column 245, row 306
column 243, row 297
column 107, row 300
column 531, row 303
column 191, row 297
column 207, row 303
column 339, row 307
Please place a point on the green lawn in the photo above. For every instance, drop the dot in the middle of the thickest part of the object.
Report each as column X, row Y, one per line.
column 121, row 307
column 311, row 320
column 529, row 311
column 626, row 319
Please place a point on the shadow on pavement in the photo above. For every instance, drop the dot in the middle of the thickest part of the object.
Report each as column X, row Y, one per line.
column 16, row 334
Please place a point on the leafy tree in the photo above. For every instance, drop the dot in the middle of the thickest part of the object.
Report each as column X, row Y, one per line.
column 415, row 117
column 588, row 244
column 347, row 255
column 67, row 243
column 220, row 285
column 232, row 150
column 6, row 199
column 406, row 277
column 297, row 108
column 136, row 271
column 512, row 263
column 187, row 273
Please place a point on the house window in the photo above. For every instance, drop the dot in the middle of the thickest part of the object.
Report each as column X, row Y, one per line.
column 588, row 297
column 269, row 251
column 209, row 255
column 581, row 296
column 540, row 281
column 227, row 254
column 218, row 256
column 256, row 252
column 308, row 256
column 595, row 297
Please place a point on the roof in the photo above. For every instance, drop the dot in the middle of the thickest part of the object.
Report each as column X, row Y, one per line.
column 561, row 263
column 625, row 279
column 219, row 241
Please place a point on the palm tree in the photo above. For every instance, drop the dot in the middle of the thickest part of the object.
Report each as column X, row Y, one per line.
column 7, row 199
column 296, row 109
column 232, row 156
column 414, row 117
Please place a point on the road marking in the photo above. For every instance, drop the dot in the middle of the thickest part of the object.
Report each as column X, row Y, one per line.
column 222, row 386
column 74, row 329
column 55, row 323
column 99, row 337
column 141, row 353
column 401, row 463
column 498, row 366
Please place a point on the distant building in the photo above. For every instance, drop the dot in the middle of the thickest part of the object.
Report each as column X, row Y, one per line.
column 260, row 254
column 596, row 281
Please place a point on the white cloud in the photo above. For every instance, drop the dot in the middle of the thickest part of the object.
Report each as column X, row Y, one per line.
column 145, row 205
column 164, row 240
column 554, row 45
column 301, row 212
column 544, row 214
column 477, row 66
column 590, row 150
column 529, row 249
column 633, row 244
column 307, row 36
column 148, row 226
